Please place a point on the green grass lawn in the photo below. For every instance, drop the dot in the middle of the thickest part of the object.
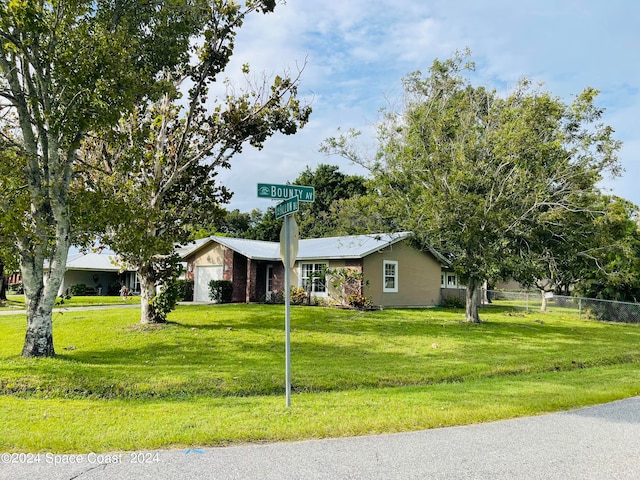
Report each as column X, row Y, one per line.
column 17, row 301
column 215, row 375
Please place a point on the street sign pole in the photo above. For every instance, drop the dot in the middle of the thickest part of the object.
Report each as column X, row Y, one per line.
column 291, row 196
column 287, row 307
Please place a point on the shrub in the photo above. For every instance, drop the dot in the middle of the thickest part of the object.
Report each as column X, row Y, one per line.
column 78, row 289
column 113, row 289
column 276, row 297
column 359, row 301
column 220, row 291
column 349, row 283
column 16, row 288
column 298, row 296
column 164, row 302
column 185, row 290
column 453, row 302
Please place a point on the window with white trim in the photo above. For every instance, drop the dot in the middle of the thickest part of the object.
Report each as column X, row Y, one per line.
column 452, row 281
column 390, row 279
column 314, row 274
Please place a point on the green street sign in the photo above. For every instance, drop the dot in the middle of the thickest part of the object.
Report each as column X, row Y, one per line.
column 284, row 192
column 287, row 207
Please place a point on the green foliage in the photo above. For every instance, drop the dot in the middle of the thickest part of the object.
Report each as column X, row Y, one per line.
column 185, row 290
column 164, row 302
column 221, row 291
column 17, row 288
column 449, row 301
column 472, row 172
column 611, row 270
column 359, row 301
column 276, row 297
column 113, row 288
column 321, row 218
column 79, row 289
column 156, row 170
column 315, row 219
column 298, row 296
column 67, row 69
column 349, row 283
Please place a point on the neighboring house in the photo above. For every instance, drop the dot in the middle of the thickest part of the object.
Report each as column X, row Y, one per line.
column 396, row 273
column 97, row 271
column 450, row 286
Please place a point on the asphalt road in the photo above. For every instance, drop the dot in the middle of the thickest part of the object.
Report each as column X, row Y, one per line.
column 601, row 442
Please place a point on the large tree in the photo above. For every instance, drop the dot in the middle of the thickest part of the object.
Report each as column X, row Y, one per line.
column 156, row 170
column 564, row 247
column 323, row 217
column 469, row 170
column 67, row 68
column 612, row 271
column 331, row 185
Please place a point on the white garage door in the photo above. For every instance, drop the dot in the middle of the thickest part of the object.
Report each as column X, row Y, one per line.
column 203, row 275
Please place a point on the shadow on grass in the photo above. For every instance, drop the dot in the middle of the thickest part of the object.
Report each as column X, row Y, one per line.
column 238, row 353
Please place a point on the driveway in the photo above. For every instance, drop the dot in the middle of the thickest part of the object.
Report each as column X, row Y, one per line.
column 601, row 442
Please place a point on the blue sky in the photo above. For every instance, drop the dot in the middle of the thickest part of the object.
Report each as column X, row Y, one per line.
column 357, row 52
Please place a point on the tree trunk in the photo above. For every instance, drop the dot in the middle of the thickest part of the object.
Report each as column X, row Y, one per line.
column 543, row 304
column 148, row 313
column 40, row 296
column 38, row 341
column 471, row 310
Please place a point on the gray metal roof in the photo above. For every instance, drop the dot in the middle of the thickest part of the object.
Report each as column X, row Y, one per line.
column 99, row 262
column 345, row 247
column 190, row 247
column 253, row 249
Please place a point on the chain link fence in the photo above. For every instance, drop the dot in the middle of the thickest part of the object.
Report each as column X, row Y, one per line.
column 587, row 308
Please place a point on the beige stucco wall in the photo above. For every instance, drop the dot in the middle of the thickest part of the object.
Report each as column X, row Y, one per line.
column 212, row 254
column 418, row 277
column 333, row 294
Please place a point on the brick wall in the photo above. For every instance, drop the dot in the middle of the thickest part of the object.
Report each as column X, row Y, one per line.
column 278, row 277
column 252, row 276
column 227, row 269
column 239, row 272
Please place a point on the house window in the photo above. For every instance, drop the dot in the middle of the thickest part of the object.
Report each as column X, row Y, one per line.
column 313, row 274
column 390, row 280
column 452, row 281
column 442, row 283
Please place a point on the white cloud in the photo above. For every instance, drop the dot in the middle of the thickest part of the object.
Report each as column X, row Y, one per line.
column 357, row 51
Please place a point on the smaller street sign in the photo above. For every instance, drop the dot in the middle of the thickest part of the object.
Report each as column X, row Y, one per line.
column 287, row 207
column 283, row 192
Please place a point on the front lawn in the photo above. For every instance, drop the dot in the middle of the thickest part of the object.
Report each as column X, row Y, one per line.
column 17, row 301
column 215, row 374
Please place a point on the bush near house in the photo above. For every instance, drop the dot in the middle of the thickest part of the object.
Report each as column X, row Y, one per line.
column 359, row 301
column 114, row 288
column 185, row 290
column 298, row 296
column 16, row 288
column 220, row 291
column 79, row 289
